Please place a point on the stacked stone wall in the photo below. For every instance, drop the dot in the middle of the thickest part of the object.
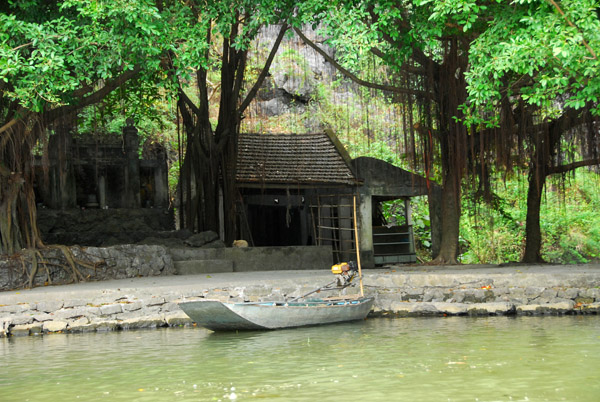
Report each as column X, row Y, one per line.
column 98, row 264
column 397, row 294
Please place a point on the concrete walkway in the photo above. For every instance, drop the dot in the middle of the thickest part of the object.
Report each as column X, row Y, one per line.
column 398, row 290
column 159, row 285
column 523, row 275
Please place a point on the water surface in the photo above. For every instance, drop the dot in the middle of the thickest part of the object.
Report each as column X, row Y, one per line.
column 406, row 359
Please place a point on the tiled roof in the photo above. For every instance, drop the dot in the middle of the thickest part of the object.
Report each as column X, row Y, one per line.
column 291, row 158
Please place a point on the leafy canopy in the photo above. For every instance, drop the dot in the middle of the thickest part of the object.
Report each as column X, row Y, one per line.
column 78, row 45
column 541, row 50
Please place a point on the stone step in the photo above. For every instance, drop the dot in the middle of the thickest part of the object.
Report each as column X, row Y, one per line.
column 260, row 258
column 194, row 267
column 191, row 253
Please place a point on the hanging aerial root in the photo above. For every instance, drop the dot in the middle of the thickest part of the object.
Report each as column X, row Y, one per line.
column 34, row 265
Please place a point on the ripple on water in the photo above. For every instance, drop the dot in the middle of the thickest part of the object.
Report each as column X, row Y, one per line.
column 455, row 358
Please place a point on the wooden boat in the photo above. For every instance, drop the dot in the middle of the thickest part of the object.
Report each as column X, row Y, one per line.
column 225, row 316
column 297, row 312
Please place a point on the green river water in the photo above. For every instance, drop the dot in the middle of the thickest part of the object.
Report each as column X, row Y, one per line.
column 404, row 359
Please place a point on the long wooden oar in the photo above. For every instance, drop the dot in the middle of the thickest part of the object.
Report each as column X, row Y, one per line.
column 362, row 292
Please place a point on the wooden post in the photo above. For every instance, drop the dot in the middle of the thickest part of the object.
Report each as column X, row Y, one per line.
column 362, row 292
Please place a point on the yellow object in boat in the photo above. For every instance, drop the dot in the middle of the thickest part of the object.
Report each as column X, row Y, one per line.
column 340, row 268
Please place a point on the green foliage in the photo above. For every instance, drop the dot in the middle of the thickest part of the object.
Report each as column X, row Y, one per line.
column 493, row 231
column 542, row 51
column 394, row 212
column 80, row 44
column 570, row 221
column 421, row 227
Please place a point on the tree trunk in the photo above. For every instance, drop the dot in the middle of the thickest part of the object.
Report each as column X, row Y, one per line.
column 18, row 214
column 451, row 93
column 451, row 211
column 533, row 233
column 10, row 233
column 546, row 145
column 211, row 156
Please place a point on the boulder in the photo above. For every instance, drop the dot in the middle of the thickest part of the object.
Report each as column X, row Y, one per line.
column 55, row 326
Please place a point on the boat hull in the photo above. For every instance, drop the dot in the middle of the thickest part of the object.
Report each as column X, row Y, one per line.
column 223, row 316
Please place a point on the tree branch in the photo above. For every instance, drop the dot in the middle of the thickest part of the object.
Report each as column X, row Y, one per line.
column 94, row 97
column 572, row 166
column 12, row 122
column 409, row 69
column 587, row 46
column 186, row 99
column 404, row 27
column 203, row 111
column 354, row 78
column 265, row 71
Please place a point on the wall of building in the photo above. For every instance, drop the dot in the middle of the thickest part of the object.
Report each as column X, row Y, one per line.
column 383, row 181
column 103, row 171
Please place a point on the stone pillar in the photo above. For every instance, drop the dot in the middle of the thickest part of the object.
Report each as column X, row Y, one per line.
column 365, row 226
column 409, row 223
column 408, row 212
column 102, row 192
column 131, row 194
column 161, row 185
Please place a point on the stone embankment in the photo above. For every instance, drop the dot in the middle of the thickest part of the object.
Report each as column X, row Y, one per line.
column 101, row 264
column 399, row 291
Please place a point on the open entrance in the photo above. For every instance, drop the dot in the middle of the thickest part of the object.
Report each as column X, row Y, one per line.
column 274, row 218
column 275, row 225
column 393, row 240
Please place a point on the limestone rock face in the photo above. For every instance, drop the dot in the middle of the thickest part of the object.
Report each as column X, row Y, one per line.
column 295, row 75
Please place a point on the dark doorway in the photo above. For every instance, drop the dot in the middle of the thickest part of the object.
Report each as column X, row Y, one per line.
column 275, row 225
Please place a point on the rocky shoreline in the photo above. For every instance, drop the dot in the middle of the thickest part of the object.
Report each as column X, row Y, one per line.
column 399, row 292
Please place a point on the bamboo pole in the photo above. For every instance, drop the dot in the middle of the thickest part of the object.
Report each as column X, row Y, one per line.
column 362, row 292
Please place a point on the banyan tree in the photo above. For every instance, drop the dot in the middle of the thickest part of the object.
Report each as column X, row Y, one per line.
column 218, row 77
column 426, row 62
column 56, row 60
column 533, row 86
column 481, row 84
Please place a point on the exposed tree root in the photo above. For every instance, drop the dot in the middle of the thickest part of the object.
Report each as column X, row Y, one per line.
column 32, row 259
column 444, row 261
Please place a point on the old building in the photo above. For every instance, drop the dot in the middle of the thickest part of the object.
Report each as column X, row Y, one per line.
column 294, row 190
column 101, row 172
column 381, row 241
column 96, row 190
column 300, row 189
